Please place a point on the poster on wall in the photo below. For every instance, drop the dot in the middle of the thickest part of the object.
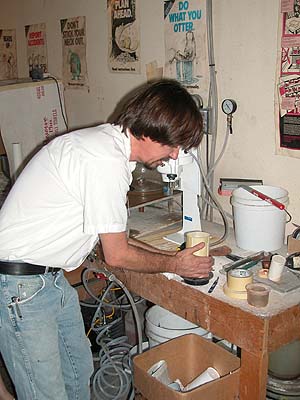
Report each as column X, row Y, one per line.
column 288, row 80
column 73, row 33
column 36, row 47
column 186, row 54
column 124, row 36
column 8, row 54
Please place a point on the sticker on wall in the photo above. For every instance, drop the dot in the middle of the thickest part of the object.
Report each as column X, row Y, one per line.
column 124, row 36
column 8, row 54
column 186, row 51
column 74, row 53
column 287, row 105
column 36, row 49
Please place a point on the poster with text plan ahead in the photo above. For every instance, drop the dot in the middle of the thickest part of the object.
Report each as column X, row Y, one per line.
column 186, row 50
column 123, row 36
column 74, row 53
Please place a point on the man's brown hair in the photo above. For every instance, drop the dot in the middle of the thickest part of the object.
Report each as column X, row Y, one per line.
column 165, row 112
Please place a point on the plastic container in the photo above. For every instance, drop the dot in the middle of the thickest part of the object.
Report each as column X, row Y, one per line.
column 259, row 225
column 161, row 325
column 257, row 294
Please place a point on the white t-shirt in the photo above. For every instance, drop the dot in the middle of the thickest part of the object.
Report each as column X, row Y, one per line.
column 73, row 189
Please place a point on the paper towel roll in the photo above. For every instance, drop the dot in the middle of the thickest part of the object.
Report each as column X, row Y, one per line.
column 17, row 160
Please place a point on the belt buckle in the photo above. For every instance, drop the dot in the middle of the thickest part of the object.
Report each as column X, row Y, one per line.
column 53, row 272
column 50, row 269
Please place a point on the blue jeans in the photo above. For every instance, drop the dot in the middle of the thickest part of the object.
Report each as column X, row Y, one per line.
column 42, row 338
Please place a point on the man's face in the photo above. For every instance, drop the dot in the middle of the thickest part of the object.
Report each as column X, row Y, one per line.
column 153, row 154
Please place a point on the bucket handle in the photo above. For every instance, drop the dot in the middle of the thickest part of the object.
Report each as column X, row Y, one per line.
column 289, row 215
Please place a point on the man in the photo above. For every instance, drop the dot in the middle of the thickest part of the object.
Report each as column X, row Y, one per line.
column 71, row 195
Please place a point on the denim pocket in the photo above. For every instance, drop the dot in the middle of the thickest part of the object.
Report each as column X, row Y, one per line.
column 27, row 287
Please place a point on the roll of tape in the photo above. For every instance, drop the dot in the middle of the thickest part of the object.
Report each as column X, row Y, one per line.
column 237, row 279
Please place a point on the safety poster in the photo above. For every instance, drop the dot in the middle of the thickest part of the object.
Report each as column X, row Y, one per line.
column 124, row 36
column 36, row 47
column 288, row 82
column 8, row 54
column 186, row 54
column 73, row 33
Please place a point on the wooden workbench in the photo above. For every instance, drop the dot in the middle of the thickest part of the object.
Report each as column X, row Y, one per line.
column 255, row 331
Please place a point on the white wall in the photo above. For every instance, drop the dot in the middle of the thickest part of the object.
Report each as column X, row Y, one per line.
column 245, row 38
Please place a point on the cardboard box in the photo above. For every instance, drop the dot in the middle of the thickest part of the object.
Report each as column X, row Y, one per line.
column 293, row 245
column 30, row 114
column 187, row 357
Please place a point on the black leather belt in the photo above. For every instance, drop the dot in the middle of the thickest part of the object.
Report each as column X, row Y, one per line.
column 20, row 268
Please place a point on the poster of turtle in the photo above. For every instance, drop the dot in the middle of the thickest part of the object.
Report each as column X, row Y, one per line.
column 36, row 49
column 73, row 33
column 124, row 36
column 8, row 54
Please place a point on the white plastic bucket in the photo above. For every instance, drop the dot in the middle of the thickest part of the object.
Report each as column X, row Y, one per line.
column 259, row 225
column 161, row 325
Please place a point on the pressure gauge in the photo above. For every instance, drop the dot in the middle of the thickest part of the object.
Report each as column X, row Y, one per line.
column 229, row 106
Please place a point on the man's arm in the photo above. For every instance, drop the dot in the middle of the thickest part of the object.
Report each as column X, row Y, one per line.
column 118, row 252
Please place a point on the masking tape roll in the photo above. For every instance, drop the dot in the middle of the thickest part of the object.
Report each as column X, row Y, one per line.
column 237, row 279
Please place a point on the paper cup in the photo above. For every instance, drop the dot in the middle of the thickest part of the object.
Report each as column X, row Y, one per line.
column 160, row 371
column 208, row 375
column 276, row 268
column 195, row 237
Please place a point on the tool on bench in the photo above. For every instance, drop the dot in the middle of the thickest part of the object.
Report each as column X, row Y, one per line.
column 242, row 263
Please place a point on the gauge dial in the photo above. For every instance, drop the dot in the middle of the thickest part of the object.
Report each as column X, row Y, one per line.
column 229, row 106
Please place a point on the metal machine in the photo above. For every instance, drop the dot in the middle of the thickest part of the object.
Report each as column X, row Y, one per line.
column 184, row 174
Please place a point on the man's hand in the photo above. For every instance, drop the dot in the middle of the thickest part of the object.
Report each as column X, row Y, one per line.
column 193, row 266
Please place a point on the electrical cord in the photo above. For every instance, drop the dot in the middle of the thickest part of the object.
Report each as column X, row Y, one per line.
column 60, row 100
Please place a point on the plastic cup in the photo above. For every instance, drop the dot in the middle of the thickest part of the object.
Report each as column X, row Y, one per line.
column 276, row 267
column 257, row 294
column 208, row 375
column 195, row 237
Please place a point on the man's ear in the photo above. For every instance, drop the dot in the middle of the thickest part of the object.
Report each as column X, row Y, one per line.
column 146, row 139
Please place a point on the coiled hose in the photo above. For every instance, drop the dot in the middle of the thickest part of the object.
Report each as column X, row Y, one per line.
column 113, row 378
